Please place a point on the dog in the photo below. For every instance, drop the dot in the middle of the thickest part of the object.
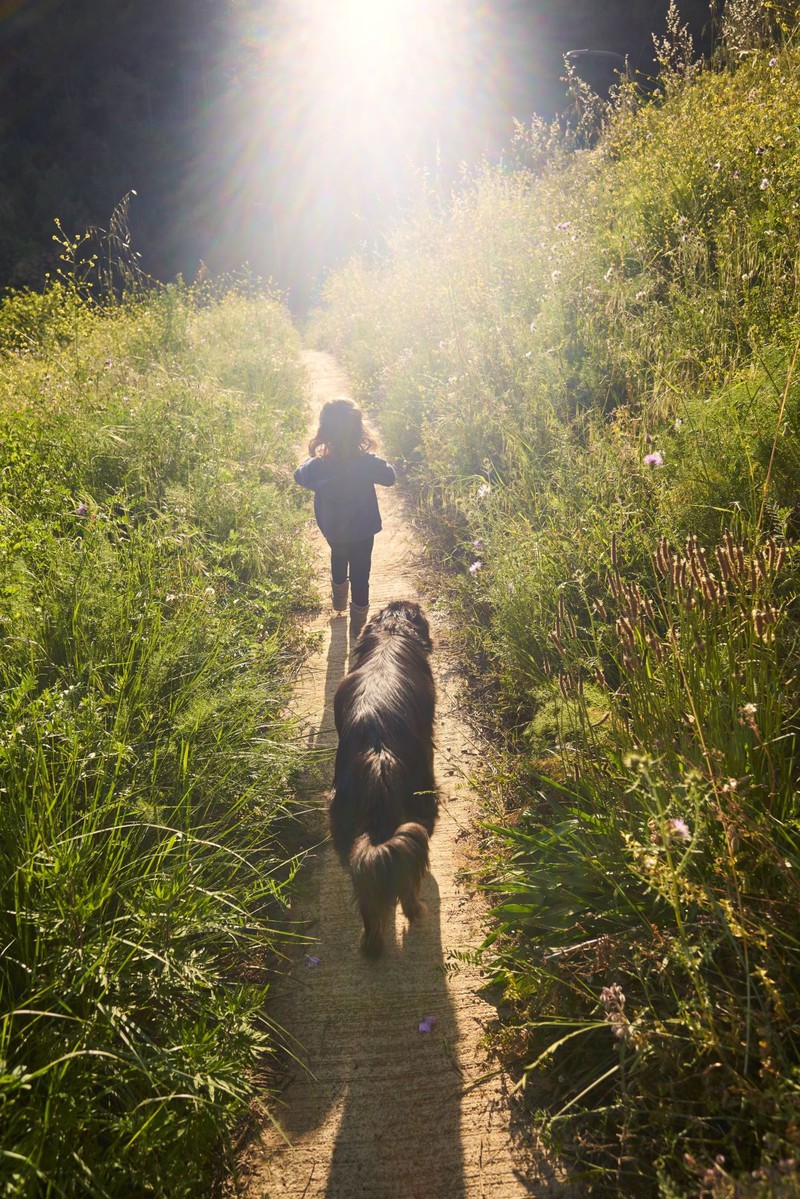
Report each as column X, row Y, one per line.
column 384, row 801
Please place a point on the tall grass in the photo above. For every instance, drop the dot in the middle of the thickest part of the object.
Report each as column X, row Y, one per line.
column 149, row 569
column 588, row 360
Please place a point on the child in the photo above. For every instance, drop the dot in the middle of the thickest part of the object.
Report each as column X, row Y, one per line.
column 342, row 473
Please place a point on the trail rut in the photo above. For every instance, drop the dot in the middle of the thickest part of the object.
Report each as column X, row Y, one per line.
column 376, row 1109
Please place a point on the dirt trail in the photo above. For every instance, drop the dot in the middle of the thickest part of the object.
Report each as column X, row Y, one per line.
column 384, row 1111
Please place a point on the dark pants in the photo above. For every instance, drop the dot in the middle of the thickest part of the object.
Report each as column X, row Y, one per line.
column 358, row 556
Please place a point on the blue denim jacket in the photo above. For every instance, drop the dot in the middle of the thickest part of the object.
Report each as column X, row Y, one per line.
column 345, row 503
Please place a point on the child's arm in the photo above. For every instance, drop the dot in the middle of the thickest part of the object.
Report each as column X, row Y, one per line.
column 381, row 471
column 304, row 475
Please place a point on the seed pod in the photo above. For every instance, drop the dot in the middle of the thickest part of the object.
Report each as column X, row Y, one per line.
column 600, row 608
column 663, row 556
column 676, row 572
column 556, row 640
column 739, row 550
column 724, row 563
column 648, row 607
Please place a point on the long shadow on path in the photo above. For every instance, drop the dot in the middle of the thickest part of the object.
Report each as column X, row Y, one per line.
column 376, row 1110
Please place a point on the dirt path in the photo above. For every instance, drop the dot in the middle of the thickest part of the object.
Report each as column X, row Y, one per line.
column 378, row 1109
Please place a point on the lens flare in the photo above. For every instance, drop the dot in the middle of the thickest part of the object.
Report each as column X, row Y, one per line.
column 325, row 127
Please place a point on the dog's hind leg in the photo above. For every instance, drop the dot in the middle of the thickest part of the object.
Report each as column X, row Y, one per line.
column 377, row 928
column 410, row 902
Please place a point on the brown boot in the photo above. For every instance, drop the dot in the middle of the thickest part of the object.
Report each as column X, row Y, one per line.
column 339, row 596
column 358, row 618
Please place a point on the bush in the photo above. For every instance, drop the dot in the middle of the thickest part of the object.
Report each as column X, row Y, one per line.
column 149, row 569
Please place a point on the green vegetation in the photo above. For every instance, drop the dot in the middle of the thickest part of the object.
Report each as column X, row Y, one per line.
column 149, row 564
column 588, row 359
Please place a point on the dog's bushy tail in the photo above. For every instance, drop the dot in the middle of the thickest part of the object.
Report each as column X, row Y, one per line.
column 384, row 872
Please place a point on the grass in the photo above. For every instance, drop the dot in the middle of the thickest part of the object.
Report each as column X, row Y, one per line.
column 588, row 360
column 150, row 573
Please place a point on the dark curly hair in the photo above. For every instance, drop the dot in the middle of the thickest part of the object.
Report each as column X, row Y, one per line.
column 341, row 432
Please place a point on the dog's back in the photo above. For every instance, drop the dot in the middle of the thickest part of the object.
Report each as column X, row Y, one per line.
column 384, row 803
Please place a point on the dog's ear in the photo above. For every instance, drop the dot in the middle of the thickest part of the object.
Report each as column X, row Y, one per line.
column 417, row 619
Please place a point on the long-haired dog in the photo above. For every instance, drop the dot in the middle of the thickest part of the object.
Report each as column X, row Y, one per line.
column 384, row 801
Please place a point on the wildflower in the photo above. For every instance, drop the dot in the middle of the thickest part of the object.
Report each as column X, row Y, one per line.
column 476, row 566
column 562, row 226
column 654, row 459
column 678, row 829
column 82, row 509
column 773, row 62
column 613, row 1000
column 736, row 174
column 427, row 1022
column 764, row 184
column 483, row 490
column 312, row 960
column 608, row 276
column 641, row 295
column 748, row 711
column 478, row 543
column 555, row 276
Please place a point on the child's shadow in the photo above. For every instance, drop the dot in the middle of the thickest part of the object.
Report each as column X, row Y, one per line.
column 323, row 738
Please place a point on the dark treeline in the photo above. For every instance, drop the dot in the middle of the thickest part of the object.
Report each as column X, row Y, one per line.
column 187, row 103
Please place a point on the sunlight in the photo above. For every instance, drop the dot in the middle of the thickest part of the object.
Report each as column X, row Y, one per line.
column 340, row 108
column 367, row 38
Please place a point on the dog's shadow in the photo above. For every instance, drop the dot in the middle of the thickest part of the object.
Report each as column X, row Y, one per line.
column 385, row 1093
column 383, row 1054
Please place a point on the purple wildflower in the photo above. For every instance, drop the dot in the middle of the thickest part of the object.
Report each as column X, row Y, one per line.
column 678, row 829
column 427, row 1022
column 654, row 459
column 82, row 509
column 476, row 566
column 764, row 184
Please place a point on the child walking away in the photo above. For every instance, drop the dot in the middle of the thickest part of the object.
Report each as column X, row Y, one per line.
column 342, row 473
